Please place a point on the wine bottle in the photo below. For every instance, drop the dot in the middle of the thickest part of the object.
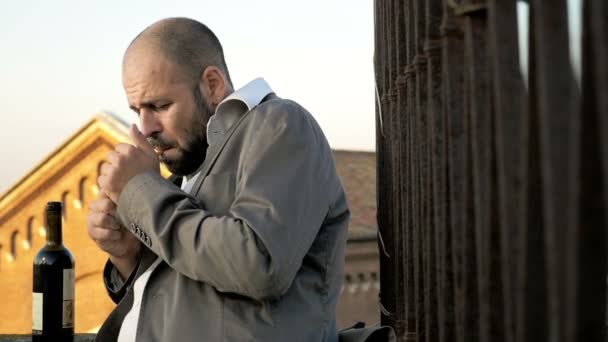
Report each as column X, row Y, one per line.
column 53, row 290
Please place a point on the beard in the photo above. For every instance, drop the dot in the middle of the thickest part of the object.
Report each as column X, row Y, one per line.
column 192, row 155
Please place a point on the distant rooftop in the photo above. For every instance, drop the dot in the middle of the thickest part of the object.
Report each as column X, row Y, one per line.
column 357, row 171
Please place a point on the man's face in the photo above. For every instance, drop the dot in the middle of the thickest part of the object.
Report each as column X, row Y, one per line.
column 173, row 112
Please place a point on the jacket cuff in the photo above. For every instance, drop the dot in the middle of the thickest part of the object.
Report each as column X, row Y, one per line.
column 115, row 285
column 132, row 208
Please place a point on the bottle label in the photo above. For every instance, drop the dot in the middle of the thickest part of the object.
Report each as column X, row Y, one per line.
column 37, row 299
column 68, row 298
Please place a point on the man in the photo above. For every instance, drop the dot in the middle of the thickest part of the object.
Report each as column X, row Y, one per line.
column 247, row 243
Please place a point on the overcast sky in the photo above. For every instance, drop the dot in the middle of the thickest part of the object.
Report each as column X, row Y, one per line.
column 60, row 63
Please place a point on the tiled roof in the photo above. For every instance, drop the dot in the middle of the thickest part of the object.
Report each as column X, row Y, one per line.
column 357, row 171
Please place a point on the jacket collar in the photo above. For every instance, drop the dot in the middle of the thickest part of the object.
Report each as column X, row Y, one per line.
column 234, row 106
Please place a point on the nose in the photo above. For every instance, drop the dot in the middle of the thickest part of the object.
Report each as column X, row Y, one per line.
column 150, row 125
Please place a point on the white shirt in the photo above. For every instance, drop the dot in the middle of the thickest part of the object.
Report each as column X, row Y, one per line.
column 226, row 115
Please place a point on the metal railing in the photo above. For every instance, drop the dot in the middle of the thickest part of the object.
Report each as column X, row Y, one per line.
column 492, row 188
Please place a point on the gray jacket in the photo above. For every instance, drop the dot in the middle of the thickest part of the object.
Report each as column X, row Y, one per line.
column 254, row 253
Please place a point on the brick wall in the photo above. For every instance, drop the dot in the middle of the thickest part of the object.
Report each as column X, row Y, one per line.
column 22, row 234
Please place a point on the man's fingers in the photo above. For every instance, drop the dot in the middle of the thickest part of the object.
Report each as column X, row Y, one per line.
column 123, row 149
column 102, row 181
column 103, row 205
column 113, row 158
column 105, row 169
column 140, row 141
column 103, row 196
column 102, row 220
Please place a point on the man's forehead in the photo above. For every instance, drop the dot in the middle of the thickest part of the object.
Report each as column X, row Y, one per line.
column 152, row 67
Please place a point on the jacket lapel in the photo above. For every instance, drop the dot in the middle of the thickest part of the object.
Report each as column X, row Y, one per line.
column 214, row 150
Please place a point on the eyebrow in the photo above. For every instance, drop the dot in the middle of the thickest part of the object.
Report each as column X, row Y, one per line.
column 148, row 103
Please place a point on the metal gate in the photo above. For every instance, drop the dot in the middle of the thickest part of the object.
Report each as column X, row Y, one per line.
column 492, row 186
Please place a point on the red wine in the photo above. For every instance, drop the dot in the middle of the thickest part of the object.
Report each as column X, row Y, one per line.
column 53, row 293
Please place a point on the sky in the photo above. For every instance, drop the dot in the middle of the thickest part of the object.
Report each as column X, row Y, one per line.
column 60, row 63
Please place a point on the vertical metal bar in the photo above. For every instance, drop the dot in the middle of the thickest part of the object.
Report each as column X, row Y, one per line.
column 470, row 286
column 384, row 190
column 487, row 247
column 510, row 127
column 399, row 321
column 421, row 165
column 447, row 319
column 411, row 293
column 389, row 240
column 432, row 46
column 591, row 310
column 597, row 16
column 414, row 202
column 403, row 308
column 479, row 130
column 453, row 75
column 535, row 302
column 558, row 108
column 415, row 331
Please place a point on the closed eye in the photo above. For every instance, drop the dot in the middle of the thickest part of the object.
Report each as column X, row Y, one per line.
column 163, row 106
column 157, row 107
column 136, row 110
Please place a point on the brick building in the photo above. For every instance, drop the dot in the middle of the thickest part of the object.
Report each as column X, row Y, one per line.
column 69, row 175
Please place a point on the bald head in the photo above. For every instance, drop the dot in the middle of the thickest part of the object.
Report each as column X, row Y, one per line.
column 187, row 43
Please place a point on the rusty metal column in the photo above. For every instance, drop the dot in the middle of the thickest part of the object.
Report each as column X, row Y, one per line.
column 421, row 183
column 450, row 38
column 535, row 294
column 453, row 106
column 429, row 29
column 559, row 124
column 596, row 19
column 400, row 87
column 409, row 208
column 485, row 236
column 412, row 274
column 383, row 156
column 398, row 312
column 510, row 138
column 437, row 167
column 591, row 287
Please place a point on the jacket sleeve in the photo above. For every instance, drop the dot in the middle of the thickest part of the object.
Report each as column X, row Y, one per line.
column 281, row 201
column 116, row 287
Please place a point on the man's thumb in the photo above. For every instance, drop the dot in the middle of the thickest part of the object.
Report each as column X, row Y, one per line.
column 140, row 140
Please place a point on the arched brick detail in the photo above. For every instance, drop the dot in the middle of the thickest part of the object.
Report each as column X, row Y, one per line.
column 29, row 230
column 80, row 201
column 64, row 204
column 14, row 243
column 99, row 167
column 82, row 189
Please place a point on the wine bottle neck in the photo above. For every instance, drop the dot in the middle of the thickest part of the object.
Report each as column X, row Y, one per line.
column 53, row 235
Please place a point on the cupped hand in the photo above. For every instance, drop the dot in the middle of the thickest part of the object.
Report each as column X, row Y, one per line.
column 125, row 162
column 103, row 228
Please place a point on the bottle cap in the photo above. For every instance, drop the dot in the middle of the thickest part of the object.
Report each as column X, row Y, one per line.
column 53, row 206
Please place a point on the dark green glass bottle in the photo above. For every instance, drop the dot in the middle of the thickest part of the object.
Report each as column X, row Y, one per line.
column 53, row 291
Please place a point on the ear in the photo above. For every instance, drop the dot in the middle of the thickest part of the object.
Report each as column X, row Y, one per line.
column 213, row 84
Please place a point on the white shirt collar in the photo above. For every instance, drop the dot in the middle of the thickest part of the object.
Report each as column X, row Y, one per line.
column 234, row 105
column 251, row 94
column 188, row 182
